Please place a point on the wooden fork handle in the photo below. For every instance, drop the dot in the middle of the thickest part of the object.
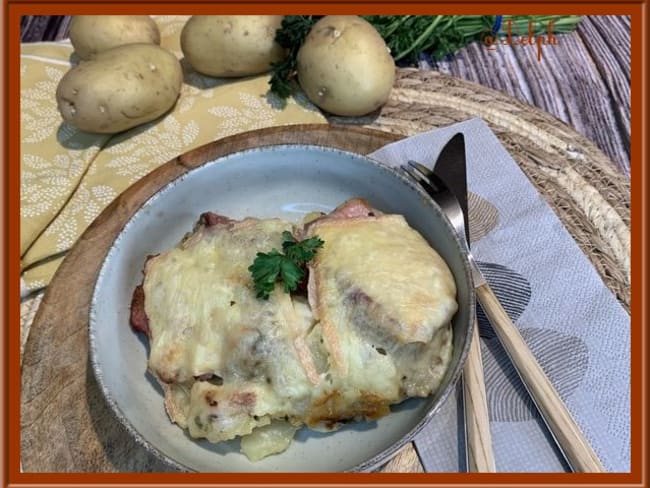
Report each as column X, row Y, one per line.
column 480, row 456
column 568, row 435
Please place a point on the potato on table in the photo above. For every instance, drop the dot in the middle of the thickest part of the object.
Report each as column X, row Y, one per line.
column 231, row 45
column 345, row 67
column 120, row 88
column 91, row 34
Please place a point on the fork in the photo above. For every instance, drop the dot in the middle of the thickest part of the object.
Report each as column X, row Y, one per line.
column 480, row 456
column 564, row 429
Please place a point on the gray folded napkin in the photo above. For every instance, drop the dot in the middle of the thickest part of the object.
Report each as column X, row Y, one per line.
column 574, row 325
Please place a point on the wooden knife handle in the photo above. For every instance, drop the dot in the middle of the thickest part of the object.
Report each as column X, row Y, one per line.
column 480, row 456
column 568, row 435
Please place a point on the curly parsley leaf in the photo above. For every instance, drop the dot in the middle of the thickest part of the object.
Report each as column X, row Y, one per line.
column 291, row 275
column 300, row 252
column 283, row 73
column 265, row 271
column 291, row 35
column 289, row 268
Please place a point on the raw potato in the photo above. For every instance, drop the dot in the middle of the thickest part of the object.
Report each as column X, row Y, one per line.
column 345, row 67
column 231, row 45
column 91, row 34
column 120, row 88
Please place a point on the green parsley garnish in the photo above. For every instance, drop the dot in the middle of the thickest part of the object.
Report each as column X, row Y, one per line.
column 288, row 266
column 290, row 36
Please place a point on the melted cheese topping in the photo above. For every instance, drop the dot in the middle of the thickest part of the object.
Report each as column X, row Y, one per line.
column 383, row 299
column 378, row 268
column 206, row 321
column 204, row 316
column 375, row 331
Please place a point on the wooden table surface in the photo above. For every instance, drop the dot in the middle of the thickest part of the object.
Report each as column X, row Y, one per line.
column 583, row 81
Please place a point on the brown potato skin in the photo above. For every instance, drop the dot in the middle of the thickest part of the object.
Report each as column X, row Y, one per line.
column 345, row 67
column 228, row 46
column 91, row 34
column 120, row 88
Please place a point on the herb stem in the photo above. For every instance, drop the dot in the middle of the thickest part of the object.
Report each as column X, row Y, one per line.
column 396, row 25
column 427, row 33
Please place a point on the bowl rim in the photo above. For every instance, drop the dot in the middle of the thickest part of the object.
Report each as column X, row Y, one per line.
column 385, row 454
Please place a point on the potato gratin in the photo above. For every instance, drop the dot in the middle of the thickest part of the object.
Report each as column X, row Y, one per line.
column 373, row 329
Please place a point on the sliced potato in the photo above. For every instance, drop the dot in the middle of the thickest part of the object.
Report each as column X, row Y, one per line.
column 267, row 440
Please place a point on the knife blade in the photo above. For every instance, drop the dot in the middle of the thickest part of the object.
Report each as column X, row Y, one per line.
column 450, row 167
column 559, row 421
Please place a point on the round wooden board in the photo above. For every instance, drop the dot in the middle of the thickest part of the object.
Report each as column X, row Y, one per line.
column 65, row 423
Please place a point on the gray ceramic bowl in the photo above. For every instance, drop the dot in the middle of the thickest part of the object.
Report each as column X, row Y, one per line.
column 286, row 181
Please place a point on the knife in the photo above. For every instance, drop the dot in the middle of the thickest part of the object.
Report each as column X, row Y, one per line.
column 568, row 436
column 450, row 167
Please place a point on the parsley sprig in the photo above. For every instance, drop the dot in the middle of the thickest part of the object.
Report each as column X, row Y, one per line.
column 290, row 36
column 288, row 266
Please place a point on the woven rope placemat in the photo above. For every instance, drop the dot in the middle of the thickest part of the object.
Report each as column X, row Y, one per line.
column 589, row 195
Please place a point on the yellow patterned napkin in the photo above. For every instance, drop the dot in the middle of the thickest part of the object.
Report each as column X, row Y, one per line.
column 68, row 177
